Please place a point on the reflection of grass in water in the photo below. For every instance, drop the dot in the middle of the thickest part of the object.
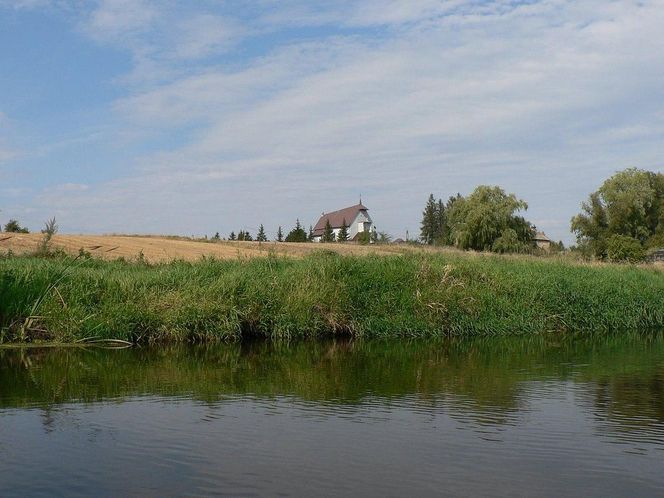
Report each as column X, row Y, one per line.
column 478, row 376
column 410, row 295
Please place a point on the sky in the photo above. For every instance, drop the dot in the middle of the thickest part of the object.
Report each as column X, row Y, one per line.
column 190, row 118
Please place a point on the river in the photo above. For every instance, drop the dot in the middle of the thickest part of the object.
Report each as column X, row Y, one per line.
column 538, row 416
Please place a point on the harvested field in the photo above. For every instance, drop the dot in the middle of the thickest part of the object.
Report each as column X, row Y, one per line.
column 156, row 249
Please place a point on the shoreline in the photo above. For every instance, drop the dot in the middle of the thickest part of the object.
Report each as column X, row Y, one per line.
column 324, row 294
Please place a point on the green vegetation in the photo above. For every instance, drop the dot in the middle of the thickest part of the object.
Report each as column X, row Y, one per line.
column 297, row 234
column 486, row 220
column 624, row 217
column 14, row 226
column 416, row 294
column 328, row 233
column 343, row 233
column 624, row 370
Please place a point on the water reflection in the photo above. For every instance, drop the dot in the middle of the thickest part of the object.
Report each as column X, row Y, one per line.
column 257, row 417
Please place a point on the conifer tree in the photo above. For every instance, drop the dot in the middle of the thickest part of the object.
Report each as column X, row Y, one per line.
column 247, row 236
column 343, row 233
column 429, row 221
column 240, row 235
column 297, row 234
column 328, row 234
column 280, row 235
column 310, row 236
column 231, row 236
column 261, row 237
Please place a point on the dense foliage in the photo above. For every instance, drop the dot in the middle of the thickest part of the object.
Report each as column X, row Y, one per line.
column 408, row 295
column 486, row 220
column 13, row 226
column 630, row 205
column 297, row 234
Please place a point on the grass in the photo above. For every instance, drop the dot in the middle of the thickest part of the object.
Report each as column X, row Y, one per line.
column 411, row 295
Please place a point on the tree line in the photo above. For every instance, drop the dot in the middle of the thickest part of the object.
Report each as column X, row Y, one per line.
column 621, row 221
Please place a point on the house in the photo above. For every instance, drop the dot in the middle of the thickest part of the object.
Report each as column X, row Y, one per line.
column 542, row 241
column 356, row 217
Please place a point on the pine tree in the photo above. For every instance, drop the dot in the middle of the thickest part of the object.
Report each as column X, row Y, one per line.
column 231, row 236
column 343, row 233
column 441, row 223
column 310, row 236
column 429, row 221
column 297, row 234
column 216, row 236
column 280, row 235
column 328, row 234
column 240, row 235
column 247, row 236
column 261, row 237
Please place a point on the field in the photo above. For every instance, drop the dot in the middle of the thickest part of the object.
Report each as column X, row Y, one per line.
column 407, row 294
column 156, row 249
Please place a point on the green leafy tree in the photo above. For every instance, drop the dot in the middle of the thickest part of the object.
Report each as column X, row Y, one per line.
column 280, row 235
column 328, row 233
column 622, row 248
column 343, row 233
column 247, row 236
column 13, row 226
column 297, row 234
column 631, row 204
column 260, row 236
column 487, row 220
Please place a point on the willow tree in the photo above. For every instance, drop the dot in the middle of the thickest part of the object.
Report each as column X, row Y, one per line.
column 628, row 204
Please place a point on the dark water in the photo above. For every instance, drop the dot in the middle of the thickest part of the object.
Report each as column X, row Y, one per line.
column 493, row 417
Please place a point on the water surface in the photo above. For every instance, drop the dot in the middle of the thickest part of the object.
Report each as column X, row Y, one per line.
column 492, row 417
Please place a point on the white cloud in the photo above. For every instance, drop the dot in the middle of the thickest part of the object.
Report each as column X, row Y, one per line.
column 546, row 98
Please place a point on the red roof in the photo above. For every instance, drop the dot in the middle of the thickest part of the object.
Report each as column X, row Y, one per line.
column 337, row 218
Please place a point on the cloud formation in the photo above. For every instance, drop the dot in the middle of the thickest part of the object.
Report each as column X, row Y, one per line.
column 286, row 109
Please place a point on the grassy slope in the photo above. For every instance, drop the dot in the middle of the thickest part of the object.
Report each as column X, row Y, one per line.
column 408, row 295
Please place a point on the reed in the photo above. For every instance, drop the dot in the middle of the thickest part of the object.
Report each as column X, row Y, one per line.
column 410, row 295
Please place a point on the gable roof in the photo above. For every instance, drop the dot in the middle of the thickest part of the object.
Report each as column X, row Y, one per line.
column 337, row 218
column 541, row 237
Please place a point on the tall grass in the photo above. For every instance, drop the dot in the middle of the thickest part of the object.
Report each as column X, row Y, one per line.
column 322, row 294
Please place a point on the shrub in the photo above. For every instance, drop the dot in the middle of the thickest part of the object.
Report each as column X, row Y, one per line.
column 621, row 248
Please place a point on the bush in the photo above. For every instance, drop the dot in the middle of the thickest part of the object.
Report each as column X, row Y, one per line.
column 621, row 248
column 14, row 227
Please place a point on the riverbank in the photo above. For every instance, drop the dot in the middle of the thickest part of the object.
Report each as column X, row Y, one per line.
column 66, row 300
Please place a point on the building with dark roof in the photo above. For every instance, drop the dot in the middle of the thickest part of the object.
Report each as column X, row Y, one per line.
column 356, row 217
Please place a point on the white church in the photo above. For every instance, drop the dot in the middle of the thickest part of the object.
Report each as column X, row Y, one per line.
column 356, row 217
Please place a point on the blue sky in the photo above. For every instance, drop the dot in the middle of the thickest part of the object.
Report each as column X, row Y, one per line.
column 187, row 117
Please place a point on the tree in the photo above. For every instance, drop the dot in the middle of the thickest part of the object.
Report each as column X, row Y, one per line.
column 328, row 233
column 216, row 237
column 240, row 235
column 343, row 233
column 487, row 220
column 247, row 236
column 624, row 249
column 433, row 228
column 261, row 237
column 631, row 204
column 428, row 226
column 297, row 234
column 231, row 236
column 13, row 226
column 384, row 238
column 280, row 235
column 310, row 235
